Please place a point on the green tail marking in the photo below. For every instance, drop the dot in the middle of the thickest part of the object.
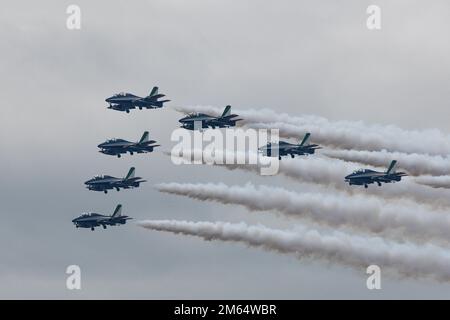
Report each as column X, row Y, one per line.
column 130, row 173
column 227, row 111
column 305, row 138
column 391, row 166
column 154, row 91
column 144, row 137
column 118, row 211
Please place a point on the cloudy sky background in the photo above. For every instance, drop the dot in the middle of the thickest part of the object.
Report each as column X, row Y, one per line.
column 300, row 57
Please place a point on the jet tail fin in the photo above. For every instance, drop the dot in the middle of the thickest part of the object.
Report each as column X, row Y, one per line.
column 391, row 168
column 305, row 139
column 153, row 92
column 117, row 211
column 144, row 137
column 130, row 173
column 226, row 111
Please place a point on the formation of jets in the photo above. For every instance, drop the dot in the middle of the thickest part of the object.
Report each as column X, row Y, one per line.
column 195, row 121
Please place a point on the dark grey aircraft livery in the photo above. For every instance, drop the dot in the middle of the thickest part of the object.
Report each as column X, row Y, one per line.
column 126, row 101
column 284, row 148
column 197, row 121
column 367, row 176
column 116, row 147
column 105, row 183
column 92, row 220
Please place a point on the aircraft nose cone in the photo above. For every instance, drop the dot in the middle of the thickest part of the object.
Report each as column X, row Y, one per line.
column 108, row 99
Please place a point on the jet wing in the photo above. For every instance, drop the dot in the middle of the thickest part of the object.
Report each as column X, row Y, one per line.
column 121, row 145
column 290, row 148
column 201, row 118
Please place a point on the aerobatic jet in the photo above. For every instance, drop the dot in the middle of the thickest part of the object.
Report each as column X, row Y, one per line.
column 116, row 147
column 105, row 183
column 284, row 148
column 126, row 101
column 92, row 220
column 197, row 121
column 366, row 176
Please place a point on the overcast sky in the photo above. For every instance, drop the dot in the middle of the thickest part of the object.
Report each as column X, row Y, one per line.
column 300, row 57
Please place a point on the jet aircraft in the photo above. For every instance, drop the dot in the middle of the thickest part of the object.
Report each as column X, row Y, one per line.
column 116, row 147
column 92, row 220
column 126, row 101
column 367, row 176
column 195, row 121
column 104, row 183
column 284, row 148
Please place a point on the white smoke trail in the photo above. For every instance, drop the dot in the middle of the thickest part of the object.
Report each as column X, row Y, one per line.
column 434, row 182
column 415, row 164
column 341, row 134
column 352, row 250
column 334, row 209
column 331, row 172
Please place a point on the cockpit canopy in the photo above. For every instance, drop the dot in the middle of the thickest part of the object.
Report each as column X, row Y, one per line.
column 362, row 171
column 114, row 140
column 121, row 94
column 197, row 114
column 103, row 176
column 89, row 214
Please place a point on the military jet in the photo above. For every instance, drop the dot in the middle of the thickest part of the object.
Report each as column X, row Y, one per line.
column 284, row 148
column 196, row 121
column 126, row 101
column 92, row 220
column 116, row 147
column 104, row 183
column 367, row 176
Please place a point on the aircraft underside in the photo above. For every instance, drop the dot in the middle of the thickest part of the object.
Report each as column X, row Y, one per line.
column 365, row 183
column 119, row 152
column 128, row 107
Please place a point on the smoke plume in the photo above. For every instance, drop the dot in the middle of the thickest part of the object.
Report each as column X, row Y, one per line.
column 353, row 250
column 334, row 209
